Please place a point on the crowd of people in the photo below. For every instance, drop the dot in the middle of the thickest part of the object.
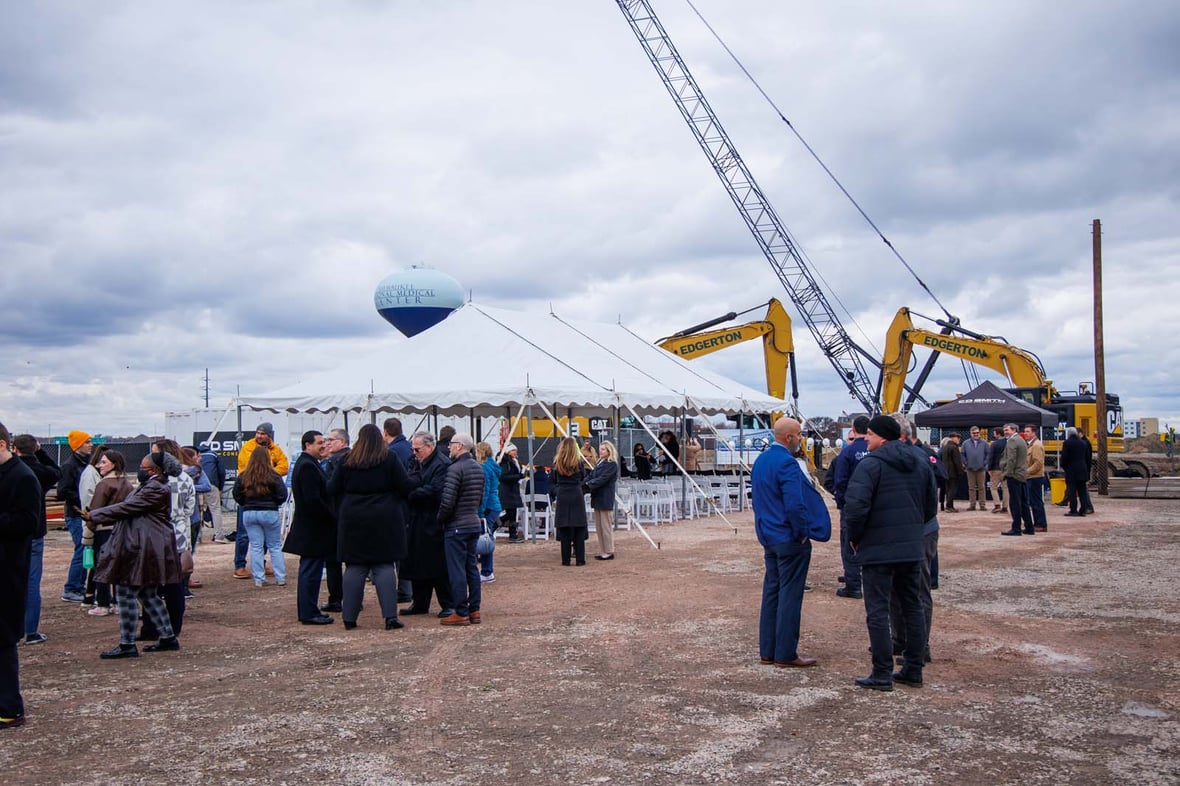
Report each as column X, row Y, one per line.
column 402, row 513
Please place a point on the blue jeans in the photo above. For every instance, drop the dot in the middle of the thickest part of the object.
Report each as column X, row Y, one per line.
column 76, row 575
column 1035, row 493
column 241, row 544
column 265, row 532
column 33, row 601
column 782, row 600
column 463, row 570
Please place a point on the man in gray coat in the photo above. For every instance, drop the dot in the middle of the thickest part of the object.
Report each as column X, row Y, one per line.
column 1014, row 468
column 975, row 456
column 458, row 513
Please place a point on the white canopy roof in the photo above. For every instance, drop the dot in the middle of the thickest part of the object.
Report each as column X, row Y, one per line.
column 485, row 360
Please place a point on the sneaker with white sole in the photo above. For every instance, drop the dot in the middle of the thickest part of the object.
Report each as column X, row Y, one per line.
column 100, row 611
column 488, row 579
column 35, row 638
column 72, row 597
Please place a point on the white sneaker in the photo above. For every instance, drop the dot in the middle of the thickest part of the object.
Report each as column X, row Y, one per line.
column 488, row 579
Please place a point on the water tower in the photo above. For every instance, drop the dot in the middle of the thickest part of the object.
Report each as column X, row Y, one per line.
column 417, row 298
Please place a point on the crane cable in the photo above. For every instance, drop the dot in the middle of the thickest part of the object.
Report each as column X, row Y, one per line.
column 819, row 161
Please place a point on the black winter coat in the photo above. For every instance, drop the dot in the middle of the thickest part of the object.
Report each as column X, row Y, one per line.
column 425, row 558
column 510, row 475
column 462, row 495
column 67, row 485
column 48, row 474
column 890, row 497
column 313, row 521
column 602, row 481
column 21, row 514
column 1075, row 460
column 571, row 504
column 371, row 511
column 270, row 500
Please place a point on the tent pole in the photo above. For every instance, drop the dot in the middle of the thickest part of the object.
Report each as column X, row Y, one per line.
column 695, row 485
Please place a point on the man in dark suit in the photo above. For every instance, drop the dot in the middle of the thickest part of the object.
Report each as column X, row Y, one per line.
column 1074, row 460
column 313, row 528
column 48, row 473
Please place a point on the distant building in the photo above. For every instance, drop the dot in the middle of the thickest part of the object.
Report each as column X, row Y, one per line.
column 1144, row 427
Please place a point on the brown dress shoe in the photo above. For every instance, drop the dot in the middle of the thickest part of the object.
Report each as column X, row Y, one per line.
column 798, row 663
column 455, row 619
column 242, row 573
column 270, row 571
column 474, row 618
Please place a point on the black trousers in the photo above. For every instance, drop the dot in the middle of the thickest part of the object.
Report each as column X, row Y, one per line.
column 880, row 583
column 929, row 576
column 1018, row 504
column 424, row 588
column 12, row 705
column 335, row 577
column 573, row 539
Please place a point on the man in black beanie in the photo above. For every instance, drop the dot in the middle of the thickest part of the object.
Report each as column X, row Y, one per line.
column 891, row 496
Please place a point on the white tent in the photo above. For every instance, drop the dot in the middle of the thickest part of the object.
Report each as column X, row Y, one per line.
column 483, row 361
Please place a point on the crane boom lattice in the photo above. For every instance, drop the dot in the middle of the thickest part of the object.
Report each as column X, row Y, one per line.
column 776, row 243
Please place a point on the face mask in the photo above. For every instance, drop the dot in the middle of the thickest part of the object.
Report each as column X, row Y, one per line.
column 144, row 476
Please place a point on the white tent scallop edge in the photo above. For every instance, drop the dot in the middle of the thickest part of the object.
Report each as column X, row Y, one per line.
column 487, row 361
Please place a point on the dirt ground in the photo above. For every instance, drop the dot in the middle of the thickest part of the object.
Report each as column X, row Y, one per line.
column 1056, row 661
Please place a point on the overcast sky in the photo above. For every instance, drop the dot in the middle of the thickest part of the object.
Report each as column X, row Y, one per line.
column 222, row 185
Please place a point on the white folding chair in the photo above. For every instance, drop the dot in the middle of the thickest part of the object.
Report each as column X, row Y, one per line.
column 537, row 522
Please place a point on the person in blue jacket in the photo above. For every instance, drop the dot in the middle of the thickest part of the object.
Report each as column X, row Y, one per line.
column 856, row 449
column 781, row 522
column 489, row 507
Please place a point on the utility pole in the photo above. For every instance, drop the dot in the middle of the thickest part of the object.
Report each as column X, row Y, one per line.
column 206, row 388
column 1099, row 365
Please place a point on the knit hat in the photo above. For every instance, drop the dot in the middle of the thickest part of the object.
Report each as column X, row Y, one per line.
column 510, row 448
column 78, row 439
column 268, row 428
column 885, row 427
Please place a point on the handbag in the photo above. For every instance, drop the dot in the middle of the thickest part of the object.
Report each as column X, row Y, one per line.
column 186, row 563
column 485, row 544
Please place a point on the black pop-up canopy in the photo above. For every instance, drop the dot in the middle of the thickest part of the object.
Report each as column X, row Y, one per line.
column 985, row 406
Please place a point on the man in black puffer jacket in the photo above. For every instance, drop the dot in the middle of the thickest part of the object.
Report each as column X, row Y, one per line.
column 458, row 513
column 889, row 499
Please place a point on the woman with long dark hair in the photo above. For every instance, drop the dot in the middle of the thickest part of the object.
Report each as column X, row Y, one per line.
column 370, row 488
column 113, row 487
column 260, row 492
column 570, row 516
column 642, row 462
column 510, row 499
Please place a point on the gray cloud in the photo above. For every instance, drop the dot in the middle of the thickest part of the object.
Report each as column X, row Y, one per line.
column 224, row 187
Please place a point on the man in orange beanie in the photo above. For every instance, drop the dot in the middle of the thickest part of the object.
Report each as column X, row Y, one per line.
column 67, row 492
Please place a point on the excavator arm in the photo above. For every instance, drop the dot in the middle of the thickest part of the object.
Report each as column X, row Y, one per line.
column 778, row 346
column 1019, row 366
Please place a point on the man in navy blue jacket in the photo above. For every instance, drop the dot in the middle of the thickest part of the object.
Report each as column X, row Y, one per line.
column 856, row 449
column 781, row 523
column 889, row 500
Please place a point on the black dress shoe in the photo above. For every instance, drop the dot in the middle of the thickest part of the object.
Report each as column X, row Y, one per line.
column 913, row 680
column 393, row 623
column 1030, row 532
column 323, row 619
column 875, row 683
column 1078, row 515
column 413, row 610
column 1010, row 532
column 164, row 645
column 604, row 556
column 349, row 625
column 844, row 592
column 121, row 651
column 328, row 607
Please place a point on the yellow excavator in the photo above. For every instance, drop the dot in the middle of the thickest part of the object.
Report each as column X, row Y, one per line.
column 777, row 344
column 1021, row 367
